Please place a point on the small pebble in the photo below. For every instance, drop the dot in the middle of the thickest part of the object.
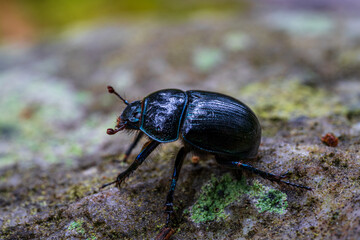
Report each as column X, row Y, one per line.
column 330, row 139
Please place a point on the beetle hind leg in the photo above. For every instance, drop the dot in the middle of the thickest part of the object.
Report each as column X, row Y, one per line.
column 263, row 174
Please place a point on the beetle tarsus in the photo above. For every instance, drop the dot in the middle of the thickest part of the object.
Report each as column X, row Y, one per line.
column 107, row 184
column 296, row 185
column 285, row 175
column 121, row 178
column 117, row 182
column 263, row 174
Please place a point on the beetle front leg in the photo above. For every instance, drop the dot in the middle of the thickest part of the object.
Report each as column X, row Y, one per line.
column 263, row 174
column 132, row 146
column 145, row 152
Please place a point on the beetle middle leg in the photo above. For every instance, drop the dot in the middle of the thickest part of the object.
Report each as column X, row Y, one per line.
column 263, row 174
column 145, row 152
column 175, row 176
column 167, row 231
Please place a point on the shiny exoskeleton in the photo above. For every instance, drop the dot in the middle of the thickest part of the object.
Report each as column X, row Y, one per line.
column 204, row 121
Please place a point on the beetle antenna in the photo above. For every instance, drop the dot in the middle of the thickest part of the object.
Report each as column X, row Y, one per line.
column 111, row 90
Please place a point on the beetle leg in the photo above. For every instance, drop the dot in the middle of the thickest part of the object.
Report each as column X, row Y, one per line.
column 263, row 174
column 166, row 232
column 285, row 175
column 150, row 146
column 132, row 146
column 170, row 196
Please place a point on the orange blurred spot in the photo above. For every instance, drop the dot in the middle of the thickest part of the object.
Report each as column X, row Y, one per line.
column 195, row 159
column 15, row 25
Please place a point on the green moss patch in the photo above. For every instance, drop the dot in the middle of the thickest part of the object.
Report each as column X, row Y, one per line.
column 77, row 226
column 290, row 99
column 81, row 228
column 268, row 200
column 215, row 196
column 221, row 192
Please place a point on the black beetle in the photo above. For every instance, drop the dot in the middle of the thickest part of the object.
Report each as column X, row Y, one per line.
column 205, row 121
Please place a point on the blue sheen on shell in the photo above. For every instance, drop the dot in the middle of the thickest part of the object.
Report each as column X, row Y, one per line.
column 162, row 113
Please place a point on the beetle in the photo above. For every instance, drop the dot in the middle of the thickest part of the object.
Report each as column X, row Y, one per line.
column 207, row 122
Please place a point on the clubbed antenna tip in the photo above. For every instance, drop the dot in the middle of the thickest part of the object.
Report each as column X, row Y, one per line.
column 111, row 90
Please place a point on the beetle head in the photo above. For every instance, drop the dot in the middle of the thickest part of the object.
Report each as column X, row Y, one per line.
column 130, row 117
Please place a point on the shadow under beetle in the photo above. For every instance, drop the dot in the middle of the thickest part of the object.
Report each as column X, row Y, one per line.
column 204, row 121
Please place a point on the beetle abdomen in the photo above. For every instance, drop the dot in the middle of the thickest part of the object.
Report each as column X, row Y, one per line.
column 221, row 124
column 161, row 114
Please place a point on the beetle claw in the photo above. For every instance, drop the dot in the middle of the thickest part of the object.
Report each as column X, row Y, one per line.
column 120, row 179
column 117, row 183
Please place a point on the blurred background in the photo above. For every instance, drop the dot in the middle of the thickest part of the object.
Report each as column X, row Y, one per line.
column 296, row 63
column 56, row 58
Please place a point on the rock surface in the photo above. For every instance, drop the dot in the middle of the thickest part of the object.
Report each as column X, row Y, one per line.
column 299, row 72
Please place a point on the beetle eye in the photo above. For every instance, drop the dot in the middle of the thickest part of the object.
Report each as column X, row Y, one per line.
column 137, row 115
